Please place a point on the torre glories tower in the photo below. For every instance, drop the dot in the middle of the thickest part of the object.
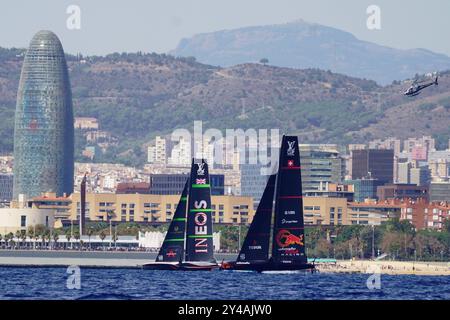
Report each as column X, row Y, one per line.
column 43, row 132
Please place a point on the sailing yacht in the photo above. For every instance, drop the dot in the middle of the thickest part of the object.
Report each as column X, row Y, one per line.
column 288, row 237
column 190, row 234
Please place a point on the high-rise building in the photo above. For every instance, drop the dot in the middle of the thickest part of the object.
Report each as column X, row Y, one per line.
column 181, row 154
column 6, row 187
column 321, row 163
column 373, row 163
column 44, row 132
column 253, row 181
column 156, row 153
column 426, row 141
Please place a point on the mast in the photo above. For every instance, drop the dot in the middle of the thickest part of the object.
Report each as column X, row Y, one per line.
column 256, row 243
column 288, row 245
column 199, row 232
column 172, row 249
column 82, row 223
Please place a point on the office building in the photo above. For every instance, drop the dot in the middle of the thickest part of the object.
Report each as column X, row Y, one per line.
column 373, row 163
column 320, row 163
column 44, row 124
column 6, row 187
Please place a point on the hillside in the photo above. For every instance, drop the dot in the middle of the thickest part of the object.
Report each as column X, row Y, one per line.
column 302, row 45
column 136, row 96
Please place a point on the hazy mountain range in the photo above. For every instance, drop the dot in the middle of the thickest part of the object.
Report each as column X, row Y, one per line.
column 136, row 96
column 307, row 45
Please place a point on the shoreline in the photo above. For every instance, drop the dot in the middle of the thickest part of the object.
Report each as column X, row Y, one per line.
column 421, row 268
column 135, row 259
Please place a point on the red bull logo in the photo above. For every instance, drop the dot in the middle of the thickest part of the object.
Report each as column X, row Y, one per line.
column 285, row 239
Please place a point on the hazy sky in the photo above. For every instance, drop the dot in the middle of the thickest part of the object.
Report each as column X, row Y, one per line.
column 147, row 25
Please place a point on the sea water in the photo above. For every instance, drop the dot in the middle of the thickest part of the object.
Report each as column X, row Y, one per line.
column 57, row 283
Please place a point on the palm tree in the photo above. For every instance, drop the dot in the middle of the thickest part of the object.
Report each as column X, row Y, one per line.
column 55, row 238
column 68, row 237
column 77, row 237
column 18, row 235
column 24, row 238
column 31, row 235
column 11, row 239
column 102, row 237
column 90, row 233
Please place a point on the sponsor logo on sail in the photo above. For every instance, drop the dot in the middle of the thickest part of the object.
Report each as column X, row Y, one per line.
column 254, row 246
column 285, row 239
column 290, row 212
column 171, row 253
column 200, row 227
column 200, row 169
column 291, row 148
column 284, row 221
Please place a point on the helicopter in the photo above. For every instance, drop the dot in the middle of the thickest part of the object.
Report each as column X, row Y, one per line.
column 418, row 86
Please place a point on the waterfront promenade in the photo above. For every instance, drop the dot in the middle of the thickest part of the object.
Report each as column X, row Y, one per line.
column 99, row 259
column 387, row 267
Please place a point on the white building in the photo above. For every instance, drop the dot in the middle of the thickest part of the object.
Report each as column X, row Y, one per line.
column 20, row 219
column 154, row 240
column 181, row 153
column 157, row 152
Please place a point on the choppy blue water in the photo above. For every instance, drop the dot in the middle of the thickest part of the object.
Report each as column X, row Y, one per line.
column 51, row 283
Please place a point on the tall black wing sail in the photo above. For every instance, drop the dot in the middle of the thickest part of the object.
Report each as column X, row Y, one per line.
column 172, row 249
column 288, row 246
column 256, row 243
column 199, row 237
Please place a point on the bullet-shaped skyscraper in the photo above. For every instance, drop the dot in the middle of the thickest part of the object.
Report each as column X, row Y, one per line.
column 44, row 133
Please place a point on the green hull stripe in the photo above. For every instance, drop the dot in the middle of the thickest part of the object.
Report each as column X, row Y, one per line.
column 183, row 199
column 173, row 240
column 179, row 219
column 200, row 210
column 200, row 186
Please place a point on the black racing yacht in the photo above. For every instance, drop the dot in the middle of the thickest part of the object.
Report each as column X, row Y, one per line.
column 190, row 234
column 288, row 237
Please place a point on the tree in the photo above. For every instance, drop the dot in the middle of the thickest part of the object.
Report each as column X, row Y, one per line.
column 18, row 235
column 102, row 236
column 31, row 234
column 55, row 237
column 264, row 61
column 68, row 237
column 90, row 233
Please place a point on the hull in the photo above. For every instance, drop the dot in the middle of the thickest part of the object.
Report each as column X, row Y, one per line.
column 184, row 266
column 161, row 266
column 198, row 266
column 267, row 267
